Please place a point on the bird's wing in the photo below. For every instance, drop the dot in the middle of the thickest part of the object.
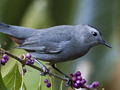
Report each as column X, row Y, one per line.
column 46, row 43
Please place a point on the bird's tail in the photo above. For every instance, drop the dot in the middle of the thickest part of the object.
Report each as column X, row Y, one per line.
column 4, row 28
column 16, row 32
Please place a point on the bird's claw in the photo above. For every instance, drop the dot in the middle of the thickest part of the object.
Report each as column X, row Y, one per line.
column 45, row 71
column 69, row 81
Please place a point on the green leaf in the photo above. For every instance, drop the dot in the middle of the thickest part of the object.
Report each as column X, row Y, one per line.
column 39, row 87
column 23, row 87
column 2, row 86
column 61, row 85
column 13, row 79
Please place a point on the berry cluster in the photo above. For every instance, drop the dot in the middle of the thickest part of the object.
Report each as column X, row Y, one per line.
column 4, row 59
column 93, row 85
column 79, row 82
column 29, row 61
column 47, row 83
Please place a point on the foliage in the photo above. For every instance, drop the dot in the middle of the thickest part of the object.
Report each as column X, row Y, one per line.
column 102, row 14
column 13, row 79
column 2, row 86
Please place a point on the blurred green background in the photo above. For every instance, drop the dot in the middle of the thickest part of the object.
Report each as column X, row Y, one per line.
column 100, row 64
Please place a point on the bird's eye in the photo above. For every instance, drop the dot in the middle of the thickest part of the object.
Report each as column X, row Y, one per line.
column 94, row 34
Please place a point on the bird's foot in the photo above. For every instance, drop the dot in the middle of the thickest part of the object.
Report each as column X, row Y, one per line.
column 69, row 81
column 45, row 71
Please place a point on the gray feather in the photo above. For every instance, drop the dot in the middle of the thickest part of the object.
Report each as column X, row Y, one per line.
column 16, row 31
column 43, row 43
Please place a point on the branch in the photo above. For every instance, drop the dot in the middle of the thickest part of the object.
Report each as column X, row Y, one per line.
column 31, row 65
column 35, row 67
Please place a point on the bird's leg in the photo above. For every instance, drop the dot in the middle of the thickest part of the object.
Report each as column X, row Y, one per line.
column 69, row 82
column 45, row 70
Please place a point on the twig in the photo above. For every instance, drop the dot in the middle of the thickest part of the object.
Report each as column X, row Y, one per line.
column 35, row 67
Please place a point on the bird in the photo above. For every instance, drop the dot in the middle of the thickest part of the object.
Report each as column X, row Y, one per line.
column 55, row 44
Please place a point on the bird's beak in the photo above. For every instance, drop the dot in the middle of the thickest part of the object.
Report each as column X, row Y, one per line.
column 106, row 43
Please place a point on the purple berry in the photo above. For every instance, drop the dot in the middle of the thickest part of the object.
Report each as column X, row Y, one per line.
column 83, row 86
column 78, row 82
column 46, row 81
column 74, row 75
column 21, row 57
column 91, row 86
column 79, row 78
column 24, row 70
column 32, row 61
column 48, row 85
column 5, row 56
column 83, row 81
column 21, row 74
column 3, row 61
column 48, row 70
column 28, row 55
column 74, row 79
column 95, row 84
column 78, row 73
column 76, row 85
column 27, row 63
column 88, row 86
column 71, row 74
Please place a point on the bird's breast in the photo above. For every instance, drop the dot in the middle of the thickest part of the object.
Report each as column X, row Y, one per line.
column 73, row 53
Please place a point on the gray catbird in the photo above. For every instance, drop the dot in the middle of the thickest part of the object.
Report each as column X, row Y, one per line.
column 56, row 44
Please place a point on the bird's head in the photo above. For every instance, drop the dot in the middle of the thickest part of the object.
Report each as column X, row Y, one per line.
column 93, row 36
